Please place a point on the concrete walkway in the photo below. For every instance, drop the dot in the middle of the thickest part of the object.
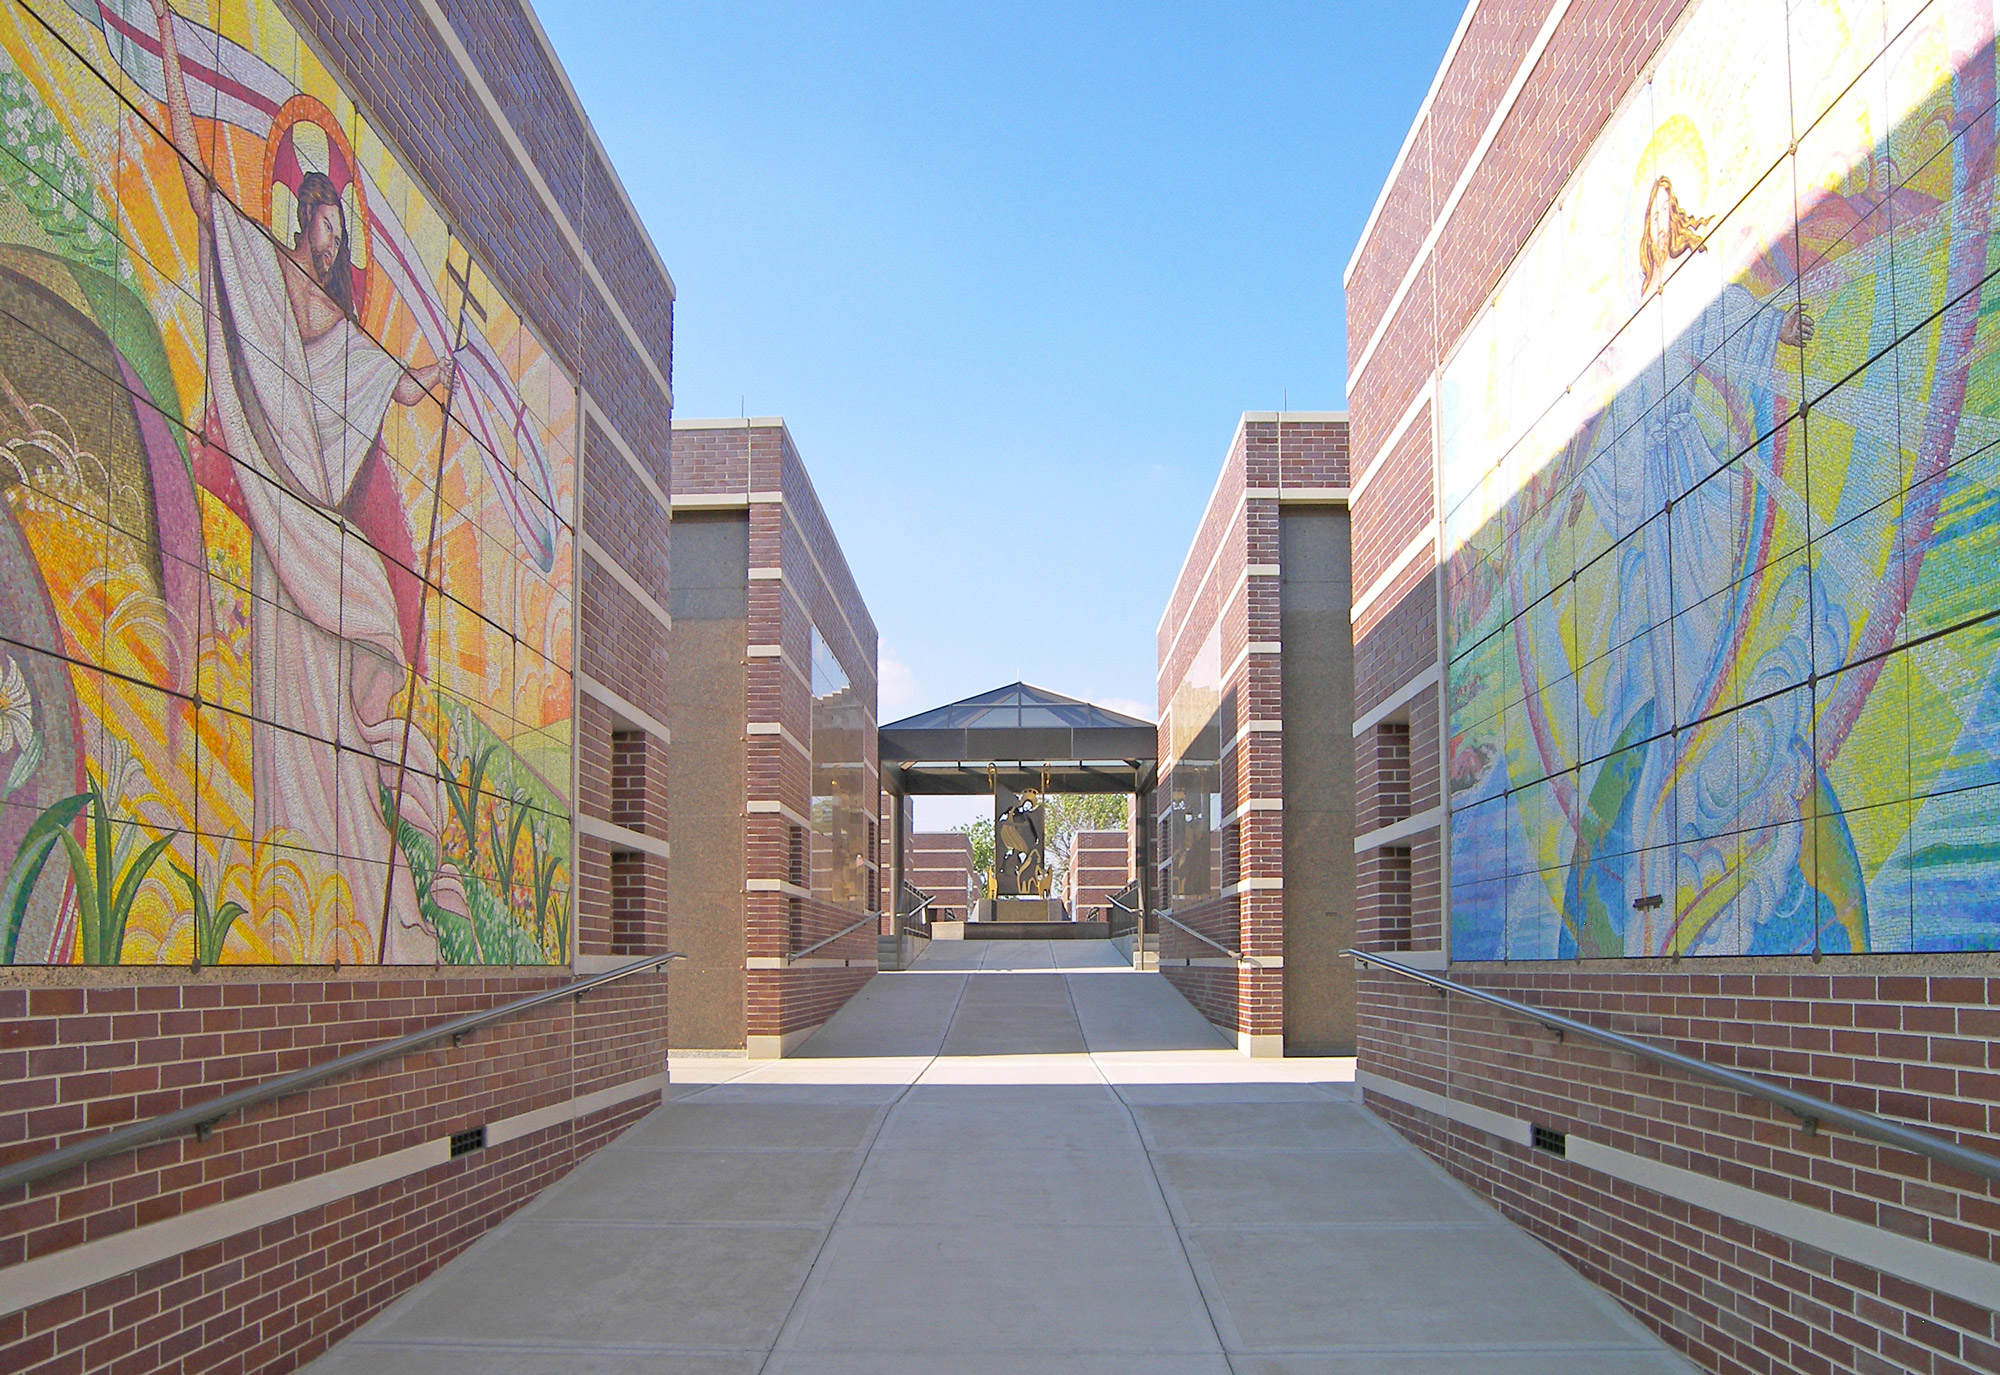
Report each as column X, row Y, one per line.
column 1017, row 1156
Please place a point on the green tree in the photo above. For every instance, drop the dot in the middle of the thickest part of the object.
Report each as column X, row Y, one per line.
column 980, row 834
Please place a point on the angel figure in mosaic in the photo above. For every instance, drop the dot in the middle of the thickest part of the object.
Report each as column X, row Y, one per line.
column 1691, row 449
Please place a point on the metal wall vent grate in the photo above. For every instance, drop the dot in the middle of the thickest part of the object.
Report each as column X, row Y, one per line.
column 466, row 1142
column 1550, row 1140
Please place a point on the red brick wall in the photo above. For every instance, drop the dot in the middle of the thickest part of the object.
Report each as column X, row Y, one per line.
column 1227, row 582
column 757, row 463
column 85, row 1050
column 937, row 862
column 80, row 1059
column 1913, row 1045
column 1100, row 864
column 1383, row 879
column 1907, row 1036
column 1382, row 775
column 622, row 647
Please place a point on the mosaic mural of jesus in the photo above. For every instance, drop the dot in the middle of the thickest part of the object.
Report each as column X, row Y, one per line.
column 297, row 394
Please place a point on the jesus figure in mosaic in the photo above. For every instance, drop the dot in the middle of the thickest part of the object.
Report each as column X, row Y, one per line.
column 297, row 394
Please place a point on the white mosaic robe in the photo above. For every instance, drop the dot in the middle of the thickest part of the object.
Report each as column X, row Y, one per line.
column 327, row 650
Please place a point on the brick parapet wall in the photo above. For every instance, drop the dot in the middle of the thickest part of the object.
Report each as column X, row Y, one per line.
column 1468, row 90
column 1734, row 1297
column 275, row 1297
column 938, row 863
column 1402, row 363
column 1593, row 58
column 1195, row 603
column 517, row 66
column 622, row 514
column 1396, row 237
column 782, row 1002
column 622, row 644
column 1880, row 1034
column 1396, row 505
column 1400, row 642
column 718, row 460
column 82, row 1055
column 1911, row 1046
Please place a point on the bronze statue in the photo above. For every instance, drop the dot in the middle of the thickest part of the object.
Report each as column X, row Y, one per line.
column 1018, row 843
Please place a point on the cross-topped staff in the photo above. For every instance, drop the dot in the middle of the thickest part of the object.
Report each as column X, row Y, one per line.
column 466, row 301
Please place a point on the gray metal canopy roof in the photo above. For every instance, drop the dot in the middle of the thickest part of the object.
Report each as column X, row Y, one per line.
column 1022, row 732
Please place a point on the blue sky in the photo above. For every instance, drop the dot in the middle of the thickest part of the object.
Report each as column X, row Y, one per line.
column 1010, row 273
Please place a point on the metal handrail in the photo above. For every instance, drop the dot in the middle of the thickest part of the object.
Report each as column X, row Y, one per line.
column 1117, row 907
column 1813, row 1112
column 1165, row 915
column 915, row 916
column 844, row 931
column 199, row 1118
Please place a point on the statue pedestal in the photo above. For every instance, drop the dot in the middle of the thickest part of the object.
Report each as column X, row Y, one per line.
column 1029, row 907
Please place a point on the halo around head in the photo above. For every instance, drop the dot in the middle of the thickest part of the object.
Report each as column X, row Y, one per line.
column 305, row 137
column 1676, row 153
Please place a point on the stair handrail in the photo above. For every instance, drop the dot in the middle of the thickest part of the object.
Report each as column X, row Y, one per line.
column 847, row 930
column 915, row 915
column 1115, row 902
column 1812, row 1112
column 200, row 1118
column 1165, row 914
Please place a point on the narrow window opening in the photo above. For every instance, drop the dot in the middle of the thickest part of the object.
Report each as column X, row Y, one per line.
column 628, row 903
column 628, row 779
column 1393, row 896
column 1392, row 772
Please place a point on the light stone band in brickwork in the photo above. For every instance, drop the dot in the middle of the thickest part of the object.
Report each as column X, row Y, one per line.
column 62, row 1272
column 1934, row 1267
column 1506, row 107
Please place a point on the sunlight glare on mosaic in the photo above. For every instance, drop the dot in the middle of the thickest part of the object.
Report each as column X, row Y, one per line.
column 1722, row 500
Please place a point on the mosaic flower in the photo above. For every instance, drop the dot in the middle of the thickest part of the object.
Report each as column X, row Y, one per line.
column 17, row 709
column 17, row 728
